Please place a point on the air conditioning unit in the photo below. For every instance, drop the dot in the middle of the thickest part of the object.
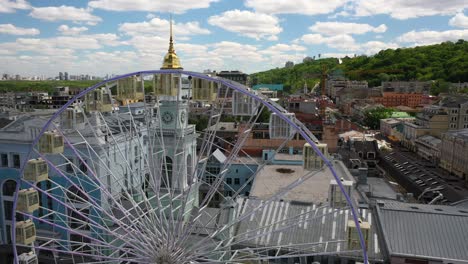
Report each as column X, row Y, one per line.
column 25, row 232
column 51, row 143
column 279, row 128
column 36, row 170
column 28, row 258
column 28, row 200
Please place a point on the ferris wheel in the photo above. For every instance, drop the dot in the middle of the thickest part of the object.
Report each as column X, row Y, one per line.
column 139, row 169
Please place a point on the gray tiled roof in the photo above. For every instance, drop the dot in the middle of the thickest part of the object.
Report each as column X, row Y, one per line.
column 425, row 231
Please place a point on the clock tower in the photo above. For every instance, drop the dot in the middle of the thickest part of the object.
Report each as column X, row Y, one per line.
column 174, row 144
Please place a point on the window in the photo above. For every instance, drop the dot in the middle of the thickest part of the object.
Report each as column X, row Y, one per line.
column 8, row 209
column 228, row 180
column 4, row 160
column 9, row 188
column 166, row 180
column 210, row 179
column 236, row 181
column 69, row 166
column 49, row 199
column 16, row 161
column 83, row 167
column 213, row 170
column 229, row 193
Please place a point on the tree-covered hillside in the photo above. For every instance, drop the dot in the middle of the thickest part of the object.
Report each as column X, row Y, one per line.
column 447, row 61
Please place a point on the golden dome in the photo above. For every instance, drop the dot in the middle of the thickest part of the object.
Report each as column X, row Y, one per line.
column 171, row 60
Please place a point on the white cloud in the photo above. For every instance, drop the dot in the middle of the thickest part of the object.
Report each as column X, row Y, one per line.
column 336, row 28
column 249, row 24
column 161, row 27
column 280, row 48
column 432, row 37
column 404, row 9
column 150, row 16
column 342, row 42
column 459, row 20
column 8, row 6
column 14, row 30
column 57, row 13
column 173, row 6
column 66, row 30
column 306, row 7
column 337, row 55
column 373, row 47
column 61, row 45
column 347, row 43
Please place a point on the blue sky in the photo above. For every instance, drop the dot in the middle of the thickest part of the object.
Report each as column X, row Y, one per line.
column 101, row 37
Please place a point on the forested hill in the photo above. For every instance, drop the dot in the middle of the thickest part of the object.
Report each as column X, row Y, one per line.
column 447, row 61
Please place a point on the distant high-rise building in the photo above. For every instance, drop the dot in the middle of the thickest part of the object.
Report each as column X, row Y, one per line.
column 60, row 76
column 65, row 76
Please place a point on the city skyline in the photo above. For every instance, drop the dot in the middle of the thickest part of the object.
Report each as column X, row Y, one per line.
column 100, row 37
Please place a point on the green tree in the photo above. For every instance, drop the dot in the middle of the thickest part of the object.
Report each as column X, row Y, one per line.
column 440, row 86
column 372, row 117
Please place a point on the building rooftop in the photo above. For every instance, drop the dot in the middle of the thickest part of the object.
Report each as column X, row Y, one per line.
column 224, row 127
column 271, row 87
column 317, row 225
column 462, row 134
column 271, row 179
column 400, row 115
column 427, row 231
column 380, row 188
column 433, row 141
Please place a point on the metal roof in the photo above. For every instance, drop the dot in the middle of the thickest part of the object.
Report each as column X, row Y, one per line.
column 324, row 226
column 271, row 87
column 424, row 231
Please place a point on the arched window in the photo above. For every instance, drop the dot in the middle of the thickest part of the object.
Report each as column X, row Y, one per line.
column 166, row 175
column 9, row 188
column 189, row 169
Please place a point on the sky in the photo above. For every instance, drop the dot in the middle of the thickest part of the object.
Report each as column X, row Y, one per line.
column 99, row 37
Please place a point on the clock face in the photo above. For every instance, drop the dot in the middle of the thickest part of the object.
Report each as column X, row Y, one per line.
column 167, row 117
column 182, row 117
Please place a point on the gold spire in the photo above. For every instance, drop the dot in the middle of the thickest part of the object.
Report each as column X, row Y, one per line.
column 171, row 61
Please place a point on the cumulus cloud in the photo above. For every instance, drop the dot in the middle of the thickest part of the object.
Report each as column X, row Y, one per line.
column 343, row 41
column 432, row 37
column 14, row 30
column 161, row 27
column 57, row 13
column 173, row 6
column 306, row 7
column 459, row 20
column 404, row 9
column 9, row 6
column 66, row 30
column 347, row 43
column 249, row 24
column 372, row 47
column 336, row 28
